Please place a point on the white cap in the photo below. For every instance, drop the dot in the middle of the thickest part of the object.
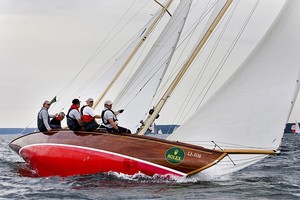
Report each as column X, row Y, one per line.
column 108, row 102
column 89, row 99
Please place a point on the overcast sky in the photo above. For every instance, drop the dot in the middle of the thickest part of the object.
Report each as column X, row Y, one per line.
column 44, row 43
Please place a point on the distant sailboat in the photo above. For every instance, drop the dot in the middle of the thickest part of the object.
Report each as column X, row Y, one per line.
column 226, row 134
column 295, row 128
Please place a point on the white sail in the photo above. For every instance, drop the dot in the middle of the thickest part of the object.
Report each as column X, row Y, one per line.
column 261, row 92
column 137, row 94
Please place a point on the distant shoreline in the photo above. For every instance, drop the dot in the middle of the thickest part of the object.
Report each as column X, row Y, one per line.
column 16, row 130
column 165, row 129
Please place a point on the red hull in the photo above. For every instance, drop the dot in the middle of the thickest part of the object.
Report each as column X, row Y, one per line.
column 69, row 160
column 67, row 153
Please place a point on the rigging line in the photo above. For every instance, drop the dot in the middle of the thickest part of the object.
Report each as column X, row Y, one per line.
column 88, row 82
column 92, row 79
column 144, row 48
column 153, row 72
column 108, row 35
column 158, row 18
column 188, row 98
column 96, row 52
column 156, row 67
column 100, row 71
column 187, row 37
column 123, row 93
column 134, row 78
column 119, row 31
column 215, row 74
column 169, row 58
column 133, row 69
column 113, row 57
column 216, row 145
column 218, row 69
column 162, row 7
column 230, row 50
column 128, row 93
column 189, row 33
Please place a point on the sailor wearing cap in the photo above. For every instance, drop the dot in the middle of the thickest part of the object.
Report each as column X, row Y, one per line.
column 109, row 119
column 74, row 117
column 43, row 119
column 88, row 116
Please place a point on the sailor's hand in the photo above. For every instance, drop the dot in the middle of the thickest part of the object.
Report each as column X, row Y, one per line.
column 120, row 111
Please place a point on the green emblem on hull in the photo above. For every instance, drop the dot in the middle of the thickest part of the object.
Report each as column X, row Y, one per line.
column 175, row 155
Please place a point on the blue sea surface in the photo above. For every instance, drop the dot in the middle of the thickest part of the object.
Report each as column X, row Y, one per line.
column 273, row 178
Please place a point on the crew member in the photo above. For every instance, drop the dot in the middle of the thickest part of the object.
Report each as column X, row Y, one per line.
column 89, row 116
column 109, row 119
column 56, row 121
column 43, row 118
column 74, row 117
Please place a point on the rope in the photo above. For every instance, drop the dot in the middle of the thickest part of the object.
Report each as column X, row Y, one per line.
column 96, row 52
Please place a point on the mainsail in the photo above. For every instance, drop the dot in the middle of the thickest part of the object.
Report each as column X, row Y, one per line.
column 259, row 94
column 136, row 96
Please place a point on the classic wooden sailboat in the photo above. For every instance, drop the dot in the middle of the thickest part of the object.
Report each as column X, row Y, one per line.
column 224, row 135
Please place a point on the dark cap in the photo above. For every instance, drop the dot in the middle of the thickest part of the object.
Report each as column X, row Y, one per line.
column 75, row 101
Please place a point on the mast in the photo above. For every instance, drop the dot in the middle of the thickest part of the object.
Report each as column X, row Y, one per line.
column 149, row 30
column 151, row 117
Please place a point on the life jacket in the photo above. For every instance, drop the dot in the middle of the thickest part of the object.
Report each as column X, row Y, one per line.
column 56, row 121
column 105, row 121
column 85, row 118
column 71, row 122
column 40, row 123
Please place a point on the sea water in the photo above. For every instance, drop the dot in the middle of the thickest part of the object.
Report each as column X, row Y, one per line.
column 272, row 178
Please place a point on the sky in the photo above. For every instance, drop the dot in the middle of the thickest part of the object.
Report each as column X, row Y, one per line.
column 45, row 43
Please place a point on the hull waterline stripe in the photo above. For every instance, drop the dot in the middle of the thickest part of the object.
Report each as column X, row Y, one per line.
column 107, row 152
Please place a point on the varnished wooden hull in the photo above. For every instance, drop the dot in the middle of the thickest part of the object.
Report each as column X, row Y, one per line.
column 67, row 153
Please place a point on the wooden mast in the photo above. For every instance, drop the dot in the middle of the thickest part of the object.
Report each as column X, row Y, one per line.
column 149, row 30
column 151, row 117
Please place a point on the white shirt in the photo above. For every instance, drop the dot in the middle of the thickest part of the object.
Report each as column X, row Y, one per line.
column 108, row 115
column 74, row 114
column 88, row 111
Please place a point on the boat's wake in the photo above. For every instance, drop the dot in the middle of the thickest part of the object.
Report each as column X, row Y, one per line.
column 26, row 171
